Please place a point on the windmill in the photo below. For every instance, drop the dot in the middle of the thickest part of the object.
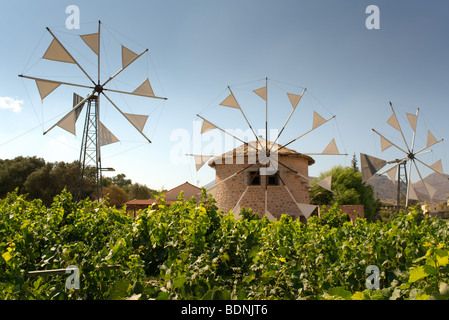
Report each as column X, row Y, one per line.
column 265, row 153
column 410, row 156
column 95, row 133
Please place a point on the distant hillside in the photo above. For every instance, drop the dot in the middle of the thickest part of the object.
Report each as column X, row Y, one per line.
column 385, row 189
column 436, row 181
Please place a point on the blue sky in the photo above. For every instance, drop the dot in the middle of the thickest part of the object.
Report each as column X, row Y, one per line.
column 198, row 48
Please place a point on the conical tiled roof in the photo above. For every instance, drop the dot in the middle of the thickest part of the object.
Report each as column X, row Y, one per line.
column 242, row 151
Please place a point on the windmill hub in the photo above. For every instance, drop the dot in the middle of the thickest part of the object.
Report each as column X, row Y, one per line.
column 99, row 88
column 411, row 156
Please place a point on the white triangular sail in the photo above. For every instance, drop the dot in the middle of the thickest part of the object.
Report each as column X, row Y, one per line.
column 412, row 118
column 384, row 143
column 430, row 139
column 76, row 100
column 317, row 120
column 393, row 121
column 138, row 120
column 370, row 165
column 92, row 41
column 68, row 122
column 411, row 193
column 431, row 190
column 145, row 89
column 437, row 166
column 57, row 52
column 262, row 92
column 200, row 160
column 213, row 191
column 45, row 87
column 294, row 99
column 236, row 212
column 325, row 183
column 306, row 209
column 392, row 173
column 230, row 101
column 207, row 126
column 105, row 136
column 127, row 56
column 331, row 148
column 269, row 216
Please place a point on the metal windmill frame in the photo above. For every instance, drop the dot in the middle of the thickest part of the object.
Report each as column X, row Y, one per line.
column 410, row 158
column 95, row 134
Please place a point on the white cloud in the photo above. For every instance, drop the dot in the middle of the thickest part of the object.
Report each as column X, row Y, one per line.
column 11, row 103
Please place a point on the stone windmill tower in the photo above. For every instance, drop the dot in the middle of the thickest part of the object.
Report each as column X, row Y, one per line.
column 261, row 174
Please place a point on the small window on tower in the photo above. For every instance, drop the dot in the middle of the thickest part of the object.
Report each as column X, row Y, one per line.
column 254, row 178
column 273, row 180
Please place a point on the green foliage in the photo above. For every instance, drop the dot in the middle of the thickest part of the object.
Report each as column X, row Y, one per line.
column 348, row 190
column 191, row 250
column 14, row 173
column 41, row 180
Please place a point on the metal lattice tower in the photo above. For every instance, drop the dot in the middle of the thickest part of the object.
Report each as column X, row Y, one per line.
column 90, row 149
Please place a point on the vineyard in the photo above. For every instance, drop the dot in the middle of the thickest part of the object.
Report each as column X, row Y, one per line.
column 191, row 250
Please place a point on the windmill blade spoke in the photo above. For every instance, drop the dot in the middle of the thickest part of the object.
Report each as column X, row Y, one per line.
column 414, row 128
column 118, row 109
column 440, row 173
column 305, row 133
column 76, row 62
column 286, row 122
column 124, row 67
column 231, row 176
column 422, row 180
column 236, row 207
column 399, row 127
column 98, row 55
column 299, row 174
column 54, row 81
column 408, row 184
column 288, row 190
column 390, row 142
column 424, row 152
column 237, row 215
column 247, row 121
column 81, row 103
column 133, row 94
column 385, row 171
column 266, row 195
column 427, row 147
column 230, row 134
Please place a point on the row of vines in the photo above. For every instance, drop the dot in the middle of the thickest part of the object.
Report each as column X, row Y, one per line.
column 191, row 250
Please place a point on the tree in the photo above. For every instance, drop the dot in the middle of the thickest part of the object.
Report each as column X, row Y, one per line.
column 119, row 180
column 14, row 173
column 348, row 190
column 354, row 163
column 52, row 178
column 139, row 191
column 115, row 195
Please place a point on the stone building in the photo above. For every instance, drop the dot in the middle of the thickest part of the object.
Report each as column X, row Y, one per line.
column 244, row 185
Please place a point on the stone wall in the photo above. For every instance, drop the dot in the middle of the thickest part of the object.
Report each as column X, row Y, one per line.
column 279, row 201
